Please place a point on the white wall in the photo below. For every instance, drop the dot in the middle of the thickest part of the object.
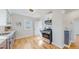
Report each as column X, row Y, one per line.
column 76, row 28
column 38, row 27
column 58, row 28
column 3, row 17
column 21, row 31
column 71, row 18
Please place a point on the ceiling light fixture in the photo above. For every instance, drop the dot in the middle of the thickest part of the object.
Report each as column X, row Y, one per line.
column 31, row 10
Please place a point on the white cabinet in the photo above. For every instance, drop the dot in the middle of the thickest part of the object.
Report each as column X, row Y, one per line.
column 3, row 45
column 10, row 40
column 7, row 40
column 3, row 17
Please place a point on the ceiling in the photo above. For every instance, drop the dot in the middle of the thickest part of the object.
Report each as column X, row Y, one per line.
column 37, row 13
column 69, row 10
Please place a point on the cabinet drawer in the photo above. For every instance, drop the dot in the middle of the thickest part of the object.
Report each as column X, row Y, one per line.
column 3, row 45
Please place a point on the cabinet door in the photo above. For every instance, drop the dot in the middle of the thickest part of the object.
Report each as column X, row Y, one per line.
column 3, row 45
column 66, row 37
column 11, row 41
column 3, row 17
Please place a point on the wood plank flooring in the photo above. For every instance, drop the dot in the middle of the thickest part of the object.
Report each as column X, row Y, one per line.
column 75, row 45
column 33, row 42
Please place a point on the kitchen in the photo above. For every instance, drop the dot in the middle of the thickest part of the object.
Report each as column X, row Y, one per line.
column 53, row 26
column 6, row 33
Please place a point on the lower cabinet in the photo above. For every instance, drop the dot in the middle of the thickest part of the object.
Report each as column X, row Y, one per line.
column 3, row 45
column 66, row 37
column 10, row 41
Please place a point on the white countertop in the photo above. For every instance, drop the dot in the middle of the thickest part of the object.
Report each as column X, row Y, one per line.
column 4, row 37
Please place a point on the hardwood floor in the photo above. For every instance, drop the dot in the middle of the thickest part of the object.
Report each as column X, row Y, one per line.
column 33, row 42
column 75, row 45
column 72, row 46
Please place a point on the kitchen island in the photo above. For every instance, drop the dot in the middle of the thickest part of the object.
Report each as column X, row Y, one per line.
column 6, row 39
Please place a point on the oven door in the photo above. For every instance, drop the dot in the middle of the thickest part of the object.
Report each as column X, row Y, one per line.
column 47, row 36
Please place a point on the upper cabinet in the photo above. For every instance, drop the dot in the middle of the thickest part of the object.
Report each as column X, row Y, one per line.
column 3, row 17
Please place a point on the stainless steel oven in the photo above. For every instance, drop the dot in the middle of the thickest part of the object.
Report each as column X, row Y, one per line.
column 47, row 34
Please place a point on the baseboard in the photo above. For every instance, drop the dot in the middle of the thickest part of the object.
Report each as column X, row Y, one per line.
column 22, row 37
column 67, row 45
column 57, row 45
